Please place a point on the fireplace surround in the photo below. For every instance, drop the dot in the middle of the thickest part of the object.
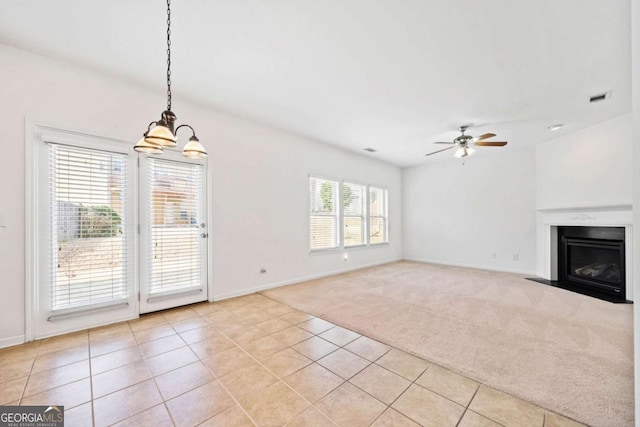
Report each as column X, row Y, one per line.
column 605, row 232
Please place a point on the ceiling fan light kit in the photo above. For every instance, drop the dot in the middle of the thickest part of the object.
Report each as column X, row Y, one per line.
column 464, row 152
column 465, row 143
column 163, row 134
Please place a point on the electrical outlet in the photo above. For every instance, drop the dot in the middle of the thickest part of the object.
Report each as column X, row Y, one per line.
column 516, row 257
column 494, row 255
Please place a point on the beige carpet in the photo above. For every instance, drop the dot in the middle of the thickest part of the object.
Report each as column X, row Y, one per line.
column 563, row 351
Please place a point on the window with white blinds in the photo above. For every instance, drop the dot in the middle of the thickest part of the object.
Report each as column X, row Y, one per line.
column 378, row 216
column 323, row 213
column 87, row 207
column 175, row 203
column 353, row 204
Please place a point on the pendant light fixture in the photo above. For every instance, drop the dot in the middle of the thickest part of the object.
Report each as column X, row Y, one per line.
column 163, row 133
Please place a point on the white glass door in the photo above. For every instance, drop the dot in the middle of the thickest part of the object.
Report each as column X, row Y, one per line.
column 173, row 232
column 82, row 238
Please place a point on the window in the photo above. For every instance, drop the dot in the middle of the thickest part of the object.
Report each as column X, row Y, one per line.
column 346, row 215
column 378, row 209
column 353, row 204
column 87, row 226
column 323, row 224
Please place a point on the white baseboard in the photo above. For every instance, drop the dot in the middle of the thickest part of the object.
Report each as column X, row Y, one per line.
column 8, row 342
column 220, row 297
column 478, row 267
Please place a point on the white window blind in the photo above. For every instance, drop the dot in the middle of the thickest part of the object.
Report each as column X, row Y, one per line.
column 378, row 214
column 175, row 201
column 87, row 196
column 353, row 203
column 323, row 213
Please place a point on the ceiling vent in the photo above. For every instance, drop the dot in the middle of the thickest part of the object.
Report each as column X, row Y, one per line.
column 369, row 149
column 600, row 97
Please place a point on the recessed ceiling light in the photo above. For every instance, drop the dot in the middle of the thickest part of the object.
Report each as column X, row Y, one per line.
column 555, row 127
column 369, row 149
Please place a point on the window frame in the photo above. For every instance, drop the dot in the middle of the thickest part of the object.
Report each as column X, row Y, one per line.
column 385, row 216
column 336, row 214
column 364, row 216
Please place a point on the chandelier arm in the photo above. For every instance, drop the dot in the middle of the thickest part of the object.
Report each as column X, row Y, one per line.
column 149, row 127
column 185, row 125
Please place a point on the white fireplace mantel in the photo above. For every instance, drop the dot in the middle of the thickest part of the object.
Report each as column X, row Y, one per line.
column 548, row 221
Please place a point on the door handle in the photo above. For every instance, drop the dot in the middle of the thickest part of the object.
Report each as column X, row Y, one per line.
column 204, row 235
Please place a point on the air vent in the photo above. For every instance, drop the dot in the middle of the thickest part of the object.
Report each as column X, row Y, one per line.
column 600, row 97
column 369, row 149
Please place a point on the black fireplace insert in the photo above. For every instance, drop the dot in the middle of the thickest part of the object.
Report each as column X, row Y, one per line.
column 593, row 258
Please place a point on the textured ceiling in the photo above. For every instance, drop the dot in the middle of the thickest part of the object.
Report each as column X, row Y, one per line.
column 392, row 75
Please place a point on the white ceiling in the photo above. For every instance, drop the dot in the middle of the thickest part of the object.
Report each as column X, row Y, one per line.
column 394, row 75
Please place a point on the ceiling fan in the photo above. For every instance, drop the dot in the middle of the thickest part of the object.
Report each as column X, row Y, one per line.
column 465, row 143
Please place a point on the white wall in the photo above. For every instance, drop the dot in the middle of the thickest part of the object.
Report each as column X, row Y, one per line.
column 587, row 168
column 461, row 215
column 258, row 175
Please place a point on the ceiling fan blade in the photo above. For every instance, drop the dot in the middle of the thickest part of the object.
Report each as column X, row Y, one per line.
column 491, row 143
column 485, row 136
column 442, row 142
column 444, row 149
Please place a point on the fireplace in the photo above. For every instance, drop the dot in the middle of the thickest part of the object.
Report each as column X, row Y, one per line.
column 592, row 244
column 593, row 258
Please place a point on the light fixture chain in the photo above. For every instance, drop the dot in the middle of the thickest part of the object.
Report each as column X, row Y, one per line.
column 169, row 55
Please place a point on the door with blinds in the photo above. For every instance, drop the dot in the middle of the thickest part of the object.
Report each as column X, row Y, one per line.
column 83, row 233
column 173, row 232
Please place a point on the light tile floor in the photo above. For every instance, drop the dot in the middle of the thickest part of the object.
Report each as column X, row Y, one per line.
column 243, row 362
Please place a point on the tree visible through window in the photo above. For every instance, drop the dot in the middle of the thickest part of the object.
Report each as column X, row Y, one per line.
column 353, row 205
column 88, row 252
column 323, row 224
column 378, row 216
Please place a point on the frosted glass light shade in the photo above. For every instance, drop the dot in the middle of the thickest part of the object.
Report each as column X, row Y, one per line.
column 146, row 147
column 464, row 152
column 162, row 136
column 460, row 152
column 193, row 149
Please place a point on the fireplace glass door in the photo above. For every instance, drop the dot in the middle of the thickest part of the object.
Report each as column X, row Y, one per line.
column 594, row 262
column 592, row 258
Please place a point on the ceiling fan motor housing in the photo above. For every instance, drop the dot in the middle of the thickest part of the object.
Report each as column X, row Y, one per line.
column 463, row 140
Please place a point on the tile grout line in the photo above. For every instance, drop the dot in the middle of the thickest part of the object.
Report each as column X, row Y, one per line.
column 26, row 383
column 93, row 412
